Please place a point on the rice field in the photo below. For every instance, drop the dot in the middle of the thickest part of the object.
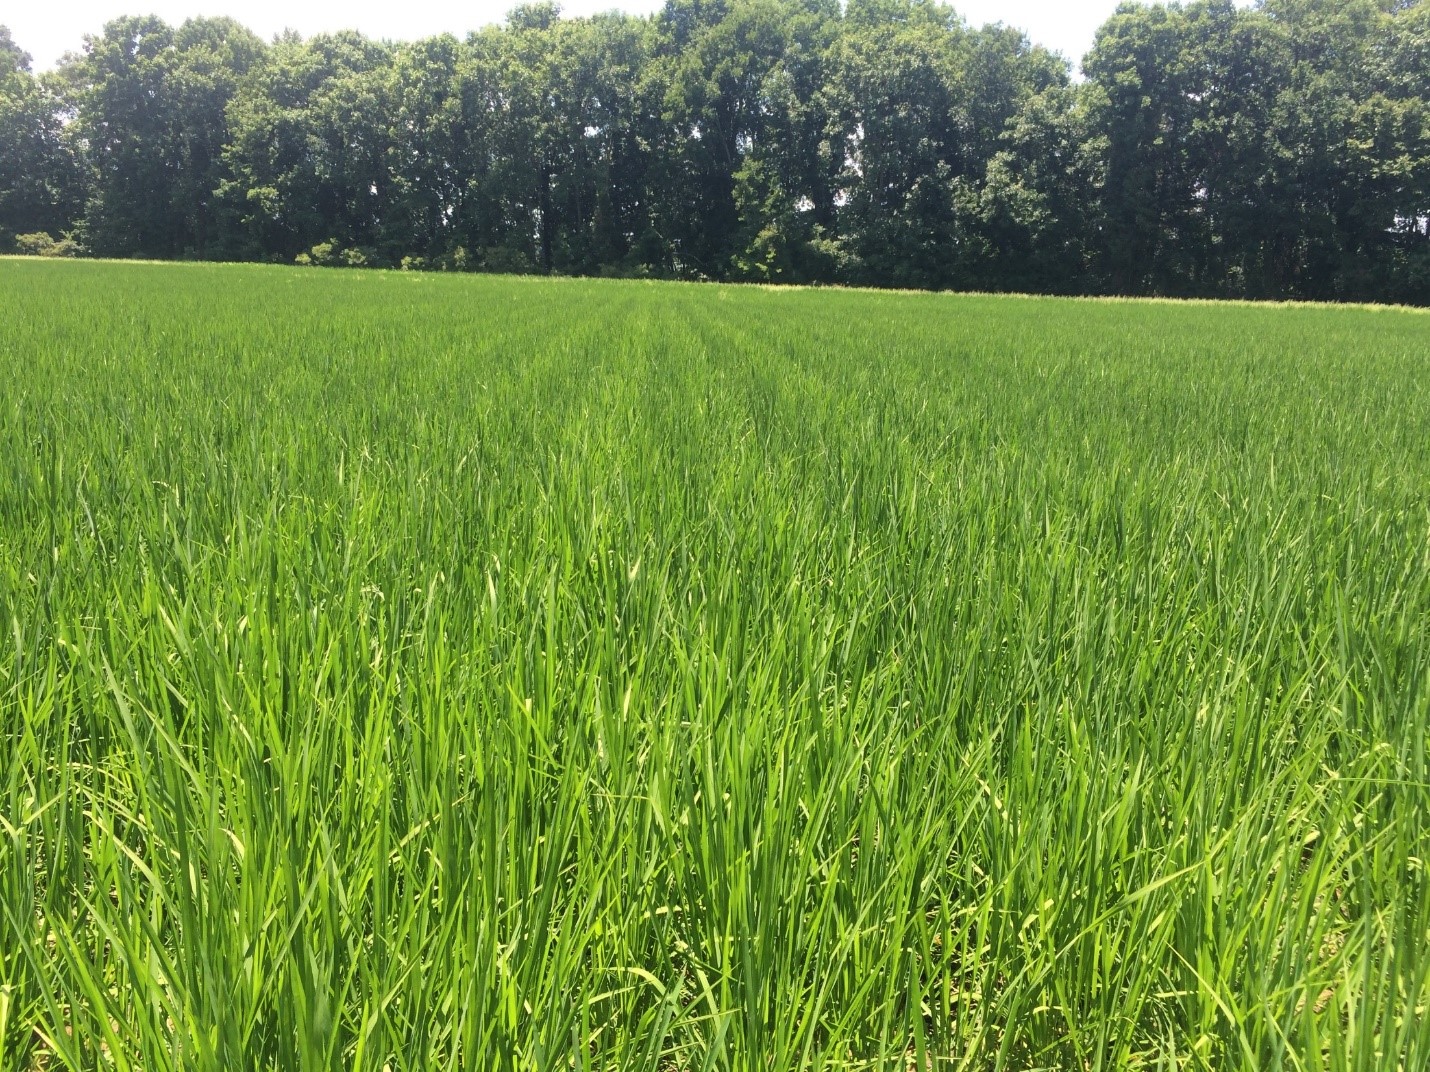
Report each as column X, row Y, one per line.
column 407, row 672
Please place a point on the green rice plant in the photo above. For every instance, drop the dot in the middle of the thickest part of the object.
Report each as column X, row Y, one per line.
column 406, row 671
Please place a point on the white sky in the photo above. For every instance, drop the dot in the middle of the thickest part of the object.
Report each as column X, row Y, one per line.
column 48, row 30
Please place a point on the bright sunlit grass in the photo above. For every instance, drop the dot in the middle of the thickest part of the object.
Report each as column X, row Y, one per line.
column 419, row 672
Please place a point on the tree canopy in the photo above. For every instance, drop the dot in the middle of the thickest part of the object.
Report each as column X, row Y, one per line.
column 1279, row 151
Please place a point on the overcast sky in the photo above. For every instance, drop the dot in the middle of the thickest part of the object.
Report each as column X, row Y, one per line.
column 49, row 29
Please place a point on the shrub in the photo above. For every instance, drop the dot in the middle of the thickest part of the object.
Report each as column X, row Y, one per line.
column 331, row 254
column 40, row 244
column 323, row 255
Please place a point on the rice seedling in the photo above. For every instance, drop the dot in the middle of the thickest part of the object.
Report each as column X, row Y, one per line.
column 412, row 672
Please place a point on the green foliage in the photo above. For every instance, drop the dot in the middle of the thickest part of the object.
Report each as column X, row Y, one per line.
column 41, row 244
column 40, row 177
column 401, row 674
column 1213, row 149
column 150, row 113
column 13, row 59
column 1038, row 206
column 332, row 254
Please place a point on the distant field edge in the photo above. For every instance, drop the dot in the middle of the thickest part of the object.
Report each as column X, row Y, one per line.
column 1141, row 299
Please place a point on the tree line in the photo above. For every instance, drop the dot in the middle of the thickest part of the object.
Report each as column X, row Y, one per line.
column 1280, row 151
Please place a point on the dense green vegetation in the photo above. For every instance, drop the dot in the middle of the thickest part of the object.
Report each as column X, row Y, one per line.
column 399, row 675
column 1212, row 150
